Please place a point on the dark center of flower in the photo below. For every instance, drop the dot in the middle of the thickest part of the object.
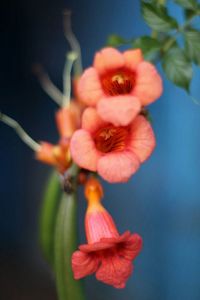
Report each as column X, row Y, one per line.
column 118, row 82
column 111, row 138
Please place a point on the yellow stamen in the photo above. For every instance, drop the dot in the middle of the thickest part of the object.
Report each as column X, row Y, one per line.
column 107, row 133
column 120, row 78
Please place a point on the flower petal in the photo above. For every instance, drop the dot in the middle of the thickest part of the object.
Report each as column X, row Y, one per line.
column 108, row 59
column 142, row 138
column 133, row 58
column 83, row 264
column 119, row 110
column 131, row 247
column 89, row 87
column 83, row 150
column 118, row 166
column 114, row 270
column 106, row 244
column 148, row 86
column 91, row 121
column 125, row 236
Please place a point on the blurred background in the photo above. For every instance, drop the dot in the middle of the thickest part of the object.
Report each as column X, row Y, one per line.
column 161, row 202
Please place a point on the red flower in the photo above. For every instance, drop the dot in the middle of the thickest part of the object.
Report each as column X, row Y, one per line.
column 107, row 253
column 119, row 85
column 114, row 152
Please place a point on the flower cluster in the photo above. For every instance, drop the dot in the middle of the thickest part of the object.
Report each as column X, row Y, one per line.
column 106, row 131
column 115, row 138
column 111, row 136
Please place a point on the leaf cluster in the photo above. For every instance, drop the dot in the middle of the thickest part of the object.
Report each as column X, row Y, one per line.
column 163, row 44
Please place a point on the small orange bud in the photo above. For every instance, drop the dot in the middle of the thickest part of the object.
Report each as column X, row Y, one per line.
column 55, row 155
column 93, row 190
column 45, row 153
column 68, row 119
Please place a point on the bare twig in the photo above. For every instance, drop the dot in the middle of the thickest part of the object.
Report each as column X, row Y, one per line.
column 71, row 38
column 47, row 85
column 70, row 59
column 20, row 131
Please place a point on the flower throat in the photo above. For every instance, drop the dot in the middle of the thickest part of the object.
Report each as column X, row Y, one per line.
column 118, row 83
column 110, row 138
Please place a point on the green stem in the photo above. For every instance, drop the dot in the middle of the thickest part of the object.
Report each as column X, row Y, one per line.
column 48, row 216
column 65, row 245
column 168, row 44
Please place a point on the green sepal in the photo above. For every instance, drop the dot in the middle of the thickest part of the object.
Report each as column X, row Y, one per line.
column 150, row 46
column 115, row 40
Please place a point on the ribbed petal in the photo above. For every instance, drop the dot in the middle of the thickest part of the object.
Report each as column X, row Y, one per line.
column 133, row 58
column 142, row 138
column 99, row 246
column 108, row 59
column 89, row 87
column 84, row 264
column 106, row 243
column 114, row 270
column 118, row 166
column 124, row 237
column 119, row 110
column 99, row 224
column 91, row 120
column 83, row 150
column 131, row 247
column 148, row 86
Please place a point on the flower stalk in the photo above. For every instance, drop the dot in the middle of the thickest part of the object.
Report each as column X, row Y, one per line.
column 47, row 217
column 66, row 243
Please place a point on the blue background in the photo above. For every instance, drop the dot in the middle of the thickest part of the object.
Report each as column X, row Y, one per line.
column 161, row 202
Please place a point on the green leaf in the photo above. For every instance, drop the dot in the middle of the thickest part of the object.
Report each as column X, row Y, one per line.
column 115, row 40
column 192, row 45
column 150, row 46
column 65, row 244
column 48, row 216
column 177, row 67
column 190, row 4
column 158, row 18
column 189, row 14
